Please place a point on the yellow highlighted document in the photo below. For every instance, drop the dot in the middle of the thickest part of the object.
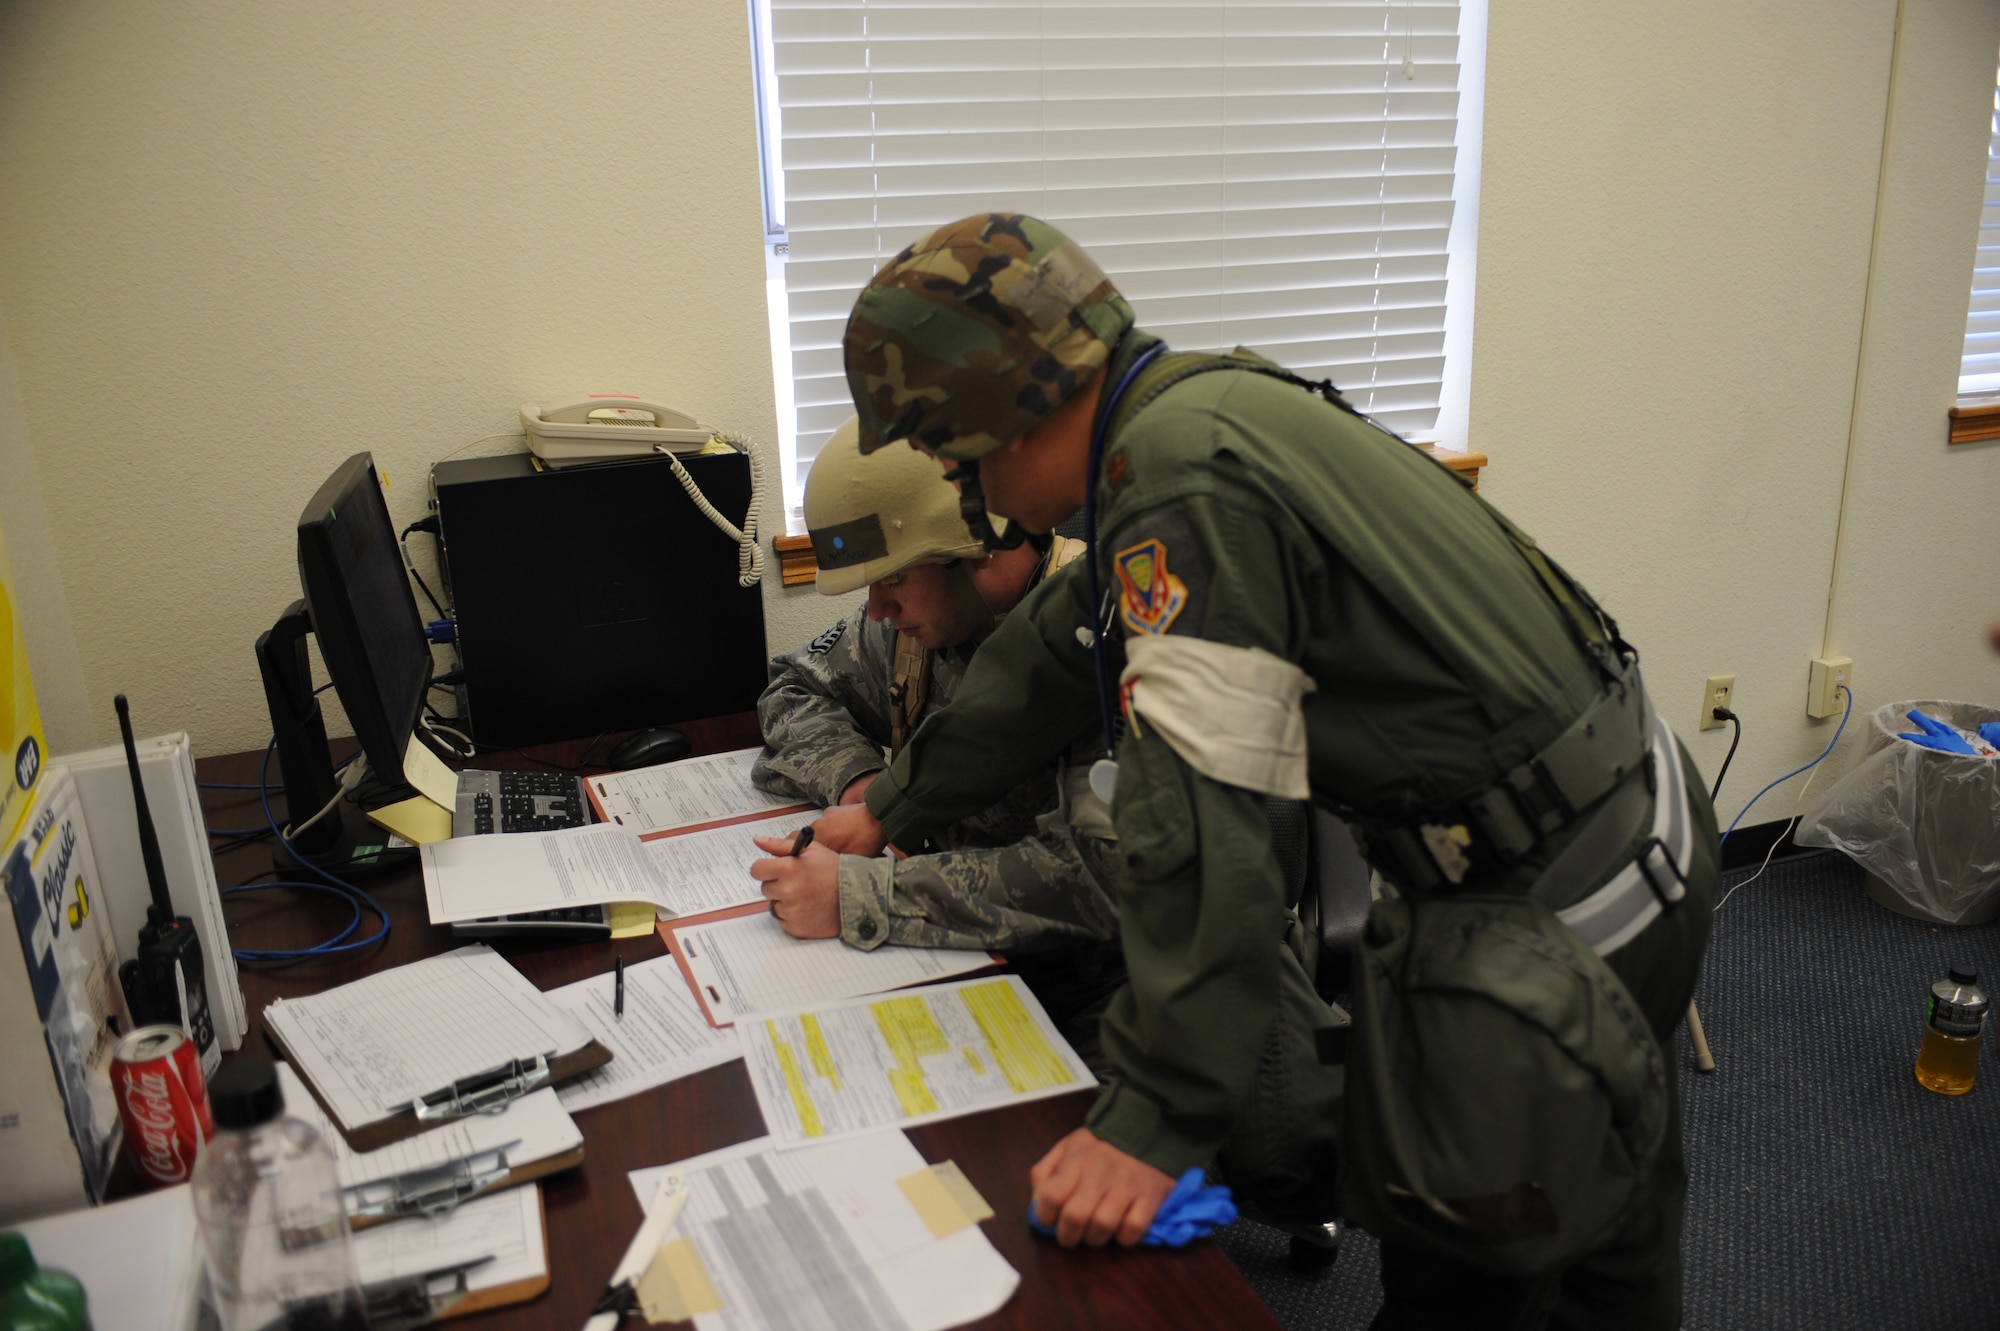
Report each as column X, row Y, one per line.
column 862, row 1064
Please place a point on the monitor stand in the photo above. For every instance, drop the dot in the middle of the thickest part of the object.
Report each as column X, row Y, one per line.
column 344, row 843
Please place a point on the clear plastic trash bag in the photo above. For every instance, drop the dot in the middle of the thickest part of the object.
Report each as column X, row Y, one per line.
column 1925, row 824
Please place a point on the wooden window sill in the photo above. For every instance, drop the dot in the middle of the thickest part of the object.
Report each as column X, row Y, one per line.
column 1974, row 418
column 796, row 565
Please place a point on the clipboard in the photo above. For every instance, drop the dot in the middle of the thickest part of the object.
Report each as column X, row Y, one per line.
column 519, row 1291
column 670, row 935
column 413, row 1301
column 405, row 1122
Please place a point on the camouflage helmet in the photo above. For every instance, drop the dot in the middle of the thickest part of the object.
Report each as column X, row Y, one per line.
column 969, row 338
column 871, row 518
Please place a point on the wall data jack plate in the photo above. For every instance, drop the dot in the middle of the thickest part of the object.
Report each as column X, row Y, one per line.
column 1716, row 693
column 1828, row 676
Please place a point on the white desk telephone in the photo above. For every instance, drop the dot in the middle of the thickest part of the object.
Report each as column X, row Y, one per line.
column 600, row 426
column 603, row 427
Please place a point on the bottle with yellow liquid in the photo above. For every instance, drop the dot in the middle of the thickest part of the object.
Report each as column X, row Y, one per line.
column 1953, row 1022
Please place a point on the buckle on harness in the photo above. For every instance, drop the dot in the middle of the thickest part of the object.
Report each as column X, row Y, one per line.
column 1675, row 886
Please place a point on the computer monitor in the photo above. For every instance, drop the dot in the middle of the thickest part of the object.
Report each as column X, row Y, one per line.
column 359, row 607
column 363, row 612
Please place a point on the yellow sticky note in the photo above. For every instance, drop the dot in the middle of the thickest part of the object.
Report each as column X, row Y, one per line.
column 945, row 1199
column 416, row 820
column 676, row 1286
column 631, row 919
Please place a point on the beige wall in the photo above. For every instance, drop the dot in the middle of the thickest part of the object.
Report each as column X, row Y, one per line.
column 1679, row 345
column 242, row 240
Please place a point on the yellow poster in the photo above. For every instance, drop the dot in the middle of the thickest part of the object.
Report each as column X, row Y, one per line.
column 20, row 719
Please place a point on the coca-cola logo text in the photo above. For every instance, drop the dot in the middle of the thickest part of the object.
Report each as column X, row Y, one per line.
column 149, row 1105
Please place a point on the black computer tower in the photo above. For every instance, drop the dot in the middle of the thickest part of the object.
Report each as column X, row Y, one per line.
column 596, row 598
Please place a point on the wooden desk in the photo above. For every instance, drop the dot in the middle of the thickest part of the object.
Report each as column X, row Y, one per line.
column 592, row 1213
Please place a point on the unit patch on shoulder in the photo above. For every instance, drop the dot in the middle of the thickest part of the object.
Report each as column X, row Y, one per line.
column 1150, row 598
column 823, row 644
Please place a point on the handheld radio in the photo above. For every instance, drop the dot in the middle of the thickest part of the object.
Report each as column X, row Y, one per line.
column 166, row 983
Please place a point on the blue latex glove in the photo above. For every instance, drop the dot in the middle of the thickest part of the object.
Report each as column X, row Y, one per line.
column 1937, row 735
column 1990, row 732
column 1193, row 1210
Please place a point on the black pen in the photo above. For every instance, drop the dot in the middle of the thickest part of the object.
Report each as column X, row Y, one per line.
column 804, row 839
column 618, row 989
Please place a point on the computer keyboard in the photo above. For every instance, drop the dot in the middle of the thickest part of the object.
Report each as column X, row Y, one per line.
column 497, row 802
column 572, row 923
column 518, row 802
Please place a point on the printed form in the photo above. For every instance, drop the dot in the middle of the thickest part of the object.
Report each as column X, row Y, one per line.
column 468, row 878
column 661, row 1038
column 857, row 1254
column 937, row 1052
column 750, row 964
column 653, row 801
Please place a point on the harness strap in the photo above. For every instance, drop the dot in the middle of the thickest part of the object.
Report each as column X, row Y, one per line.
column 909, row 689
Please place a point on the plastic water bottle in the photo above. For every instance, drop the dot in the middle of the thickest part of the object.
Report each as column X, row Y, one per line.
column 1953, row 1022
column 273, row 1226
column 35, row 1298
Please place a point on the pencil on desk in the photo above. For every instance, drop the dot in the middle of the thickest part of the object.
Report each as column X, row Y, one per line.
column 618, row 989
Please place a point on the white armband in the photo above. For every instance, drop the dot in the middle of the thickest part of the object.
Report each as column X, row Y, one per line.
column 1231, row 713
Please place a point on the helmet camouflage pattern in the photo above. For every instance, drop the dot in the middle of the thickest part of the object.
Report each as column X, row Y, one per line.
column 969, row 338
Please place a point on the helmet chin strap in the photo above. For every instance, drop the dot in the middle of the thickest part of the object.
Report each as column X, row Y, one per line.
column 972, row 508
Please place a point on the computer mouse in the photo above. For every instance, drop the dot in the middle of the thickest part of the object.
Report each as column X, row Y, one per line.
column 661, row 744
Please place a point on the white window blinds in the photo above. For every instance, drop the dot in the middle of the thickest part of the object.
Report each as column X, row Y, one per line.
column 1274, row 175
column 1979, row 371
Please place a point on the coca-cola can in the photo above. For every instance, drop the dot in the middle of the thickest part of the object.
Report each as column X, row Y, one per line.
column 156, row 1071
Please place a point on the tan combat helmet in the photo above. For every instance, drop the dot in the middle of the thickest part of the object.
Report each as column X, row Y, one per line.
column 872, row 517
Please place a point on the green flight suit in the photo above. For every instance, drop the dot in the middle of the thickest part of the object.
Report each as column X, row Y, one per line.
column 1267, row 518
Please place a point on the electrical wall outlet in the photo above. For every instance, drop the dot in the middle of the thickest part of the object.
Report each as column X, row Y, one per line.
column 1716, row 693
column 1829, row 675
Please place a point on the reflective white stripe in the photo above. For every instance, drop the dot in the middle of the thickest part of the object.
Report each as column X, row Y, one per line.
column 1231, row 713
column 1616, row 913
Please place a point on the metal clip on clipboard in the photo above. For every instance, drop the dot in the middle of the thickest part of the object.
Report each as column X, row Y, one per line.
column 432, row 1192
column 483, row 1093
column 409, row 1302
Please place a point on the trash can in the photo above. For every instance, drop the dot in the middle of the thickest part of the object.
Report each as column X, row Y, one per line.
column 1923, row 823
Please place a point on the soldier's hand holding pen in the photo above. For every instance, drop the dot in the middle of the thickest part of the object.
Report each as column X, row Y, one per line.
column 802, row 880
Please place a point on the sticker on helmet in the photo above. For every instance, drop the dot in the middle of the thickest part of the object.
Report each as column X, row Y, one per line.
column 1151, row 598
column 848, row 543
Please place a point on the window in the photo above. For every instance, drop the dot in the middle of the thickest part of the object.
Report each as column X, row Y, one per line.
column 1979, row 369
column 1284, row 176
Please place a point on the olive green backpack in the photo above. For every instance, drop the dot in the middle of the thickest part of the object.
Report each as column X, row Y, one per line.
column 1505, row 1095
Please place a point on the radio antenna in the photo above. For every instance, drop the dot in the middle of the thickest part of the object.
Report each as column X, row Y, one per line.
column 149, row 841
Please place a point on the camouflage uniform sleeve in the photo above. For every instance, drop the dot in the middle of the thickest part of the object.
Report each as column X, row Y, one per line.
column 966, row 758
column 825, row 712
column 1046, row 890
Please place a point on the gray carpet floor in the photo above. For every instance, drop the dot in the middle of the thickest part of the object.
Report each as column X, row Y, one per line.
column 1826, row 1188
